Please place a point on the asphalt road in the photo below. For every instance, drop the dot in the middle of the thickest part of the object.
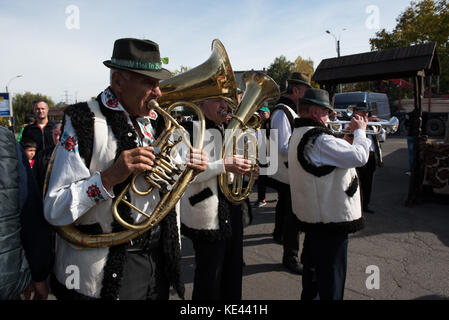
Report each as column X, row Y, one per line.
column 407, row 247
column 403, row 252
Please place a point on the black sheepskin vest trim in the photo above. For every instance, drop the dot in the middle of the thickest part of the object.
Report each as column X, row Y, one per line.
column 333, row 227
column 224, row 231
column 82, row 119
column 83, row 123
column 310, row 137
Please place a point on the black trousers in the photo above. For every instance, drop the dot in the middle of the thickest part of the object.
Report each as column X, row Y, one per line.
column 366, row 175
column 324, row 259
column 143, row 278
column 218, row 272
column 285, row 224
column 261, row 187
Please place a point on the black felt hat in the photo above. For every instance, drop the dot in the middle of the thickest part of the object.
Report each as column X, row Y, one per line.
column 317, row 96
column 300, row 78
column 140, row 56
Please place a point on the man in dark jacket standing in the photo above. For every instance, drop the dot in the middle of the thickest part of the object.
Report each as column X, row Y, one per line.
column 26, row 256
column 41, row 130
column 42, row 158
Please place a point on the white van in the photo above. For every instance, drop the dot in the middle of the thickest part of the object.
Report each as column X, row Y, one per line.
column 377, row 101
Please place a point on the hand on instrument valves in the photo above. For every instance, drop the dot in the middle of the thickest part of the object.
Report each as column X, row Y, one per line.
column 140, row 159
column 197, row 160
column 238, row 165
column 358, row 122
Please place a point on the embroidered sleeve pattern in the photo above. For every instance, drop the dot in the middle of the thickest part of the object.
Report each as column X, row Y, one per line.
column 72, row 188
column 94, row 193
column 147, row 129
column 70, row 143
column 110, row 100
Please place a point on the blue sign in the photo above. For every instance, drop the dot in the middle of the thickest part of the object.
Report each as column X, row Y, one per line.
column 5, row 106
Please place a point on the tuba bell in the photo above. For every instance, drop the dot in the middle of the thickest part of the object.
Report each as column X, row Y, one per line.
column 259, row 88
column 213, row 78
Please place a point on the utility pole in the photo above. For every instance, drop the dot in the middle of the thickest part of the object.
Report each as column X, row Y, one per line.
column 337, row 42
column 338, row 48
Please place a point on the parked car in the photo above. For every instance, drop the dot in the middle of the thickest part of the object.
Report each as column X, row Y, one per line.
column 377, row 101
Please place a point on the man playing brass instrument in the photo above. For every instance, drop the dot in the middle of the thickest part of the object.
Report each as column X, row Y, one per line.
column 213, row 223
column 325, row 193
column 103, row 143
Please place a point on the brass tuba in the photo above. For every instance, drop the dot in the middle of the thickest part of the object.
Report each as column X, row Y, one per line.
column 259, row 88
column 213, row 78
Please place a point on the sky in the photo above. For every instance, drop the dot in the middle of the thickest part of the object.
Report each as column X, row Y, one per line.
column 58, row 46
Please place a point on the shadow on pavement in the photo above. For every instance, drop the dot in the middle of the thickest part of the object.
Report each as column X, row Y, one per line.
column 432, row 297
column 390, row 191
column 263, row 268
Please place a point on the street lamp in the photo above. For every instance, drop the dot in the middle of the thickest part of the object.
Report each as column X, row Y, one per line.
column 10, row 101
column 337, row 40
column 18, row 76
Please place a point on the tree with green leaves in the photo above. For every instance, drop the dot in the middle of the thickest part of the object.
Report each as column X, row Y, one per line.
column 23, row 105
column 280, row 70
column 304, row 66
column 423, row 21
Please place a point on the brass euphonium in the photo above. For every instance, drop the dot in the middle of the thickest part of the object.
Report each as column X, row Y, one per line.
column 213, row 78
column 169, row 177
column 259, row 88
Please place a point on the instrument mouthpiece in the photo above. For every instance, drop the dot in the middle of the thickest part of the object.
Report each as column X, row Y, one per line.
column 153, row 104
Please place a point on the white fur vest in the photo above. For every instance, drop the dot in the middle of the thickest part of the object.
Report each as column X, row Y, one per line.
column 323, row 198
column 203, row 208
column 100, row 268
